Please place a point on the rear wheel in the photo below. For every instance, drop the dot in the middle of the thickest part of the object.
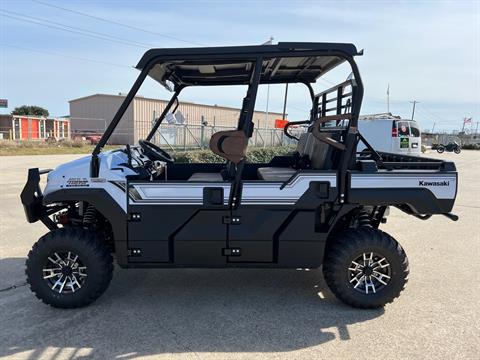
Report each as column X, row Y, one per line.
column 366, row 268
column 457, row 150
column 69, row 268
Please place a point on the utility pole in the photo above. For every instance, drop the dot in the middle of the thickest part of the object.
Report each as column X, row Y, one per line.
column 266, row 116
column 269, row 42
column 414, row 102
column 433, row 128
column 285, row 102
column 476, row 129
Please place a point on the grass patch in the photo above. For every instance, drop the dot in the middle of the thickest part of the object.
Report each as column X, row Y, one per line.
column 11, row 148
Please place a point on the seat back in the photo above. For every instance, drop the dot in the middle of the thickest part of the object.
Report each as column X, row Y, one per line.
column 313, row 151
column 301, row 158
column 230, row 144
column 302, row 142
column 319, row 153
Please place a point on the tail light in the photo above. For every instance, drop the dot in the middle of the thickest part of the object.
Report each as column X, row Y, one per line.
column 394, row 131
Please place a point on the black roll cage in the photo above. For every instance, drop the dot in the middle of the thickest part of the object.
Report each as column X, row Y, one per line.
column 287, row 50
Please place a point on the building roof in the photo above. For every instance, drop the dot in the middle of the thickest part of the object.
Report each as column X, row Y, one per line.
column 10, row 116
column 121, row 96
column 285, row 62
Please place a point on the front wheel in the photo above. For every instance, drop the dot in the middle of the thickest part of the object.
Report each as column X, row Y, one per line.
column 69, row 268
column 457, row 150
column 365, row 268
column 440, row 149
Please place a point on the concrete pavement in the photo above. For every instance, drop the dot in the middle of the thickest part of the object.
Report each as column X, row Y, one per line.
column 245, row 314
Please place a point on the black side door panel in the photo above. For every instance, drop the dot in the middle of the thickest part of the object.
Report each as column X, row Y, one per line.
column 254, row 233
column 201, row 240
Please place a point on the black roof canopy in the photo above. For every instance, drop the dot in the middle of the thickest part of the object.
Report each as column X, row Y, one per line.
column 282, row 63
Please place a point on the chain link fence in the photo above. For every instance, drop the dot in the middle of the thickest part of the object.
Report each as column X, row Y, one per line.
column 186, row 137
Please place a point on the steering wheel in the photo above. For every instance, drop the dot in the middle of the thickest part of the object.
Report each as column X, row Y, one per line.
column 154, row 152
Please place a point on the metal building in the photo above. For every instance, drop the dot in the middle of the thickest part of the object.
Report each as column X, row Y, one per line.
column 93, row 114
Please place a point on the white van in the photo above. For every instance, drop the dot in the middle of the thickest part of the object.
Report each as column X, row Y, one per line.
column 391, row 134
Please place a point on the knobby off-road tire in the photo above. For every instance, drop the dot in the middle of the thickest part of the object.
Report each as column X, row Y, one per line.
column 377, row 254
column 74, row 258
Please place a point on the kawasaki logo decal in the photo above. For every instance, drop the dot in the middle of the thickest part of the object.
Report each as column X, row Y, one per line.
column 433, row 183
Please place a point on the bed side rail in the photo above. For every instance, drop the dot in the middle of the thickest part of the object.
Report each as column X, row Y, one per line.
column 392, row 161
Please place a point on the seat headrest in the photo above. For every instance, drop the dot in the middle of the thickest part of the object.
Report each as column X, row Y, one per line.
column 230, row 144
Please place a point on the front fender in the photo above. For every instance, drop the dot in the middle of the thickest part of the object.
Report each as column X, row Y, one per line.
column 106, row 205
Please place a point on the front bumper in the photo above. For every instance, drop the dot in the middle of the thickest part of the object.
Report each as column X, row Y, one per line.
column 32, row 199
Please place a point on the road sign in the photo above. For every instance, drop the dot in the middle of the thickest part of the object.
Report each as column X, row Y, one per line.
column 3, row 103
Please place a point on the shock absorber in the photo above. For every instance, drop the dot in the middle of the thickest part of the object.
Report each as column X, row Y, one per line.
column 90, row 215
column 363, row 219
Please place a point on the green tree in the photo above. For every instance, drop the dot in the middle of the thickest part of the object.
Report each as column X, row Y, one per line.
column 30, row 110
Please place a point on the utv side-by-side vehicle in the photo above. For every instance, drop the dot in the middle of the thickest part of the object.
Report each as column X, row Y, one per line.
column 321, row 206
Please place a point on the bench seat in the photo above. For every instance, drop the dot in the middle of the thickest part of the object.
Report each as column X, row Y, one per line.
column 275, row 173
column 209, row 177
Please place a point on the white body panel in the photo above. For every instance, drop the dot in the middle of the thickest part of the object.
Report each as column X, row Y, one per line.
column 76, row 174
column 176, row 193
column 264, row 193
column 254, row 192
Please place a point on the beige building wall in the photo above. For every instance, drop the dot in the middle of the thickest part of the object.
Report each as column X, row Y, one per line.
column 96, row 111
column 218, row 116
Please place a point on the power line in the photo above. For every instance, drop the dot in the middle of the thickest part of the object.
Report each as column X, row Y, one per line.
column 66, row 56
column 436, row 116
column 327, row 81
column 426, row 115
column 71, row 29
column 118, row 23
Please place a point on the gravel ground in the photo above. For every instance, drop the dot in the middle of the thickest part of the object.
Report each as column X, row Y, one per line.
column 245, row 314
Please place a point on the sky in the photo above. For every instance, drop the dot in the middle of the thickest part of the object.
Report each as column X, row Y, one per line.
column 428, row 51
